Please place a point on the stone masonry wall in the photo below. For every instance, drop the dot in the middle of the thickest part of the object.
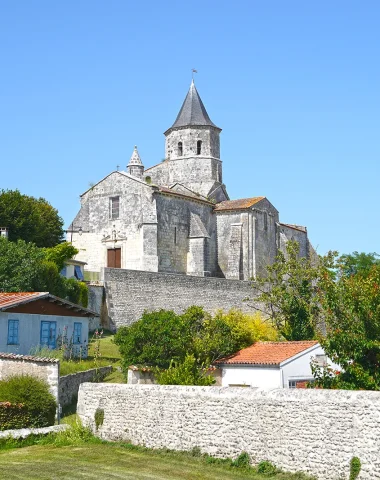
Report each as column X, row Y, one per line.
column 315, row 431
column 130, row 292
column 69, row 384
column 44, row 369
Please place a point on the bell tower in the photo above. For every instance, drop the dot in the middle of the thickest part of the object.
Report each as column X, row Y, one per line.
column 192, row 147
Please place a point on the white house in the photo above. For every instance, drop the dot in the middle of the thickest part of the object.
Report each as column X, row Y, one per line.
column 271, row 364
column 32, row 319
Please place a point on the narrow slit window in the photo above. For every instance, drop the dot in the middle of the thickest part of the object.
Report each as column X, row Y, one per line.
column 12, row 332
column 180, row 149
column 114, row 207
column 175, row 235
column 77, row 333
column 265, row 221
column 199, row 147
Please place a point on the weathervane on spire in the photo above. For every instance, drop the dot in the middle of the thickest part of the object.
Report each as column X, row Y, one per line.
column 192, row 73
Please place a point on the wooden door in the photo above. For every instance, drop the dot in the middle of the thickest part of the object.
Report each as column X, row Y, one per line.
column 114, row 257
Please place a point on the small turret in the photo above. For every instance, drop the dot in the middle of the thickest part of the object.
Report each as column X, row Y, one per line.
column 135, row 166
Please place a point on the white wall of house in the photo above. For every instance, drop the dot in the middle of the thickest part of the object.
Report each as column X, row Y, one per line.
column 29, row 330
column 298, row 367
column 250, row 375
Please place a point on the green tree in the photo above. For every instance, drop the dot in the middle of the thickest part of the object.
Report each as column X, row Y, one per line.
column 26, row 268
column 163, row 338
column 30, row 219
column 350, row 307
column 288, row 292
column 357, row 263
column 188, row 372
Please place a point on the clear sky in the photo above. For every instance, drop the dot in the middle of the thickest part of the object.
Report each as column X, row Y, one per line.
column 294, row 84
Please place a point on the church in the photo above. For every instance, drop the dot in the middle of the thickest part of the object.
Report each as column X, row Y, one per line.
column 177, row 217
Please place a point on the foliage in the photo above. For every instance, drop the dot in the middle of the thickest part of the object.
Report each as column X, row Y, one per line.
column 351, row 311
column 186, row 373
column 99, row 417
column 288, row 292
column 34, row 394
column 30, row 219
column 13, row 416
column 355, row 467
column 242, row 461
column 27, row 268
column 357, row 263
column 267, row 468
column 162, row 337
column 60, row 253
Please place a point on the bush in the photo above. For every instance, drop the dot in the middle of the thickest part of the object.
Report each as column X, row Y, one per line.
column 35, row 397
column 186, row 373
column 267, row 468
column 13, row 415
column 355, row 467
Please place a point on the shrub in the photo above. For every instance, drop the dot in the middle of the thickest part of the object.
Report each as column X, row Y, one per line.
column 13, row 415
column 99, row 417
column 34, row 395
column 186, row 373
column 242, row 461
column 355, row 467
column 267, row 468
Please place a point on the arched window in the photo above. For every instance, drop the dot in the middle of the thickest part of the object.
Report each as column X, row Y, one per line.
column 199, row 147
column 180, row 149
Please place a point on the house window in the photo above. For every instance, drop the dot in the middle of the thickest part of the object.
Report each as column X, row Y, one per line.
column 48, row 334
column 301, row 382
column 199, row 147
column 321, row 360
column 78, row 273
column 114, row 207
column 180, row 149
column 77, row 333
column 12, row 332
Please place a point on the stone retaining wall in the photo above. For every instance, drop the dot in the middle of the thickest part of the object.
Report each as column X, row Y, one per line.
column 130, row 292
column 69, row 384
column 315, row 431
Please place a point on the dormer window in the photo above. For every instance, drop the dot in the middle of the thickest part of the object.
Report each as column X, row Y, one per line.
column 180, row 149
column 199, row 147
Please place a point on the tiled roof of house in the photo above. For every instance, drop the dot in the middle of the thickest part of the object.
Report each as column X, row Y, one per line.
column 267, row 353
column 28, row 358
column 13, row 299
column 240, row 204
column 9, row 299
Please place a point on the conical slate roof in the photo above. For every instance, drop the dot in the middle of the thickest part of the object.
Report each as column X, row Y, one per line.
column 193, row 111
column 135, row 158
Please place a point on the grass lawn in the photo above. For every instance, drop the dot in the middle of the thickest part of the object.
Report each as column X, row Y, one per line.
column 115, row 461
column 109, row 355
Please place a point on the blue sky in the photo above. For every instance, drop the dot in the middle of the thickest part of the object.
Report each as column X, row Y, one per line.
column 293, row 84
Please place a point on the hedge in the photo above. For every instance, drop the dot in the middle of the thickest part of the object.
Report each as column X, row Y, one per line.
column 13, row 416
column 38, row 404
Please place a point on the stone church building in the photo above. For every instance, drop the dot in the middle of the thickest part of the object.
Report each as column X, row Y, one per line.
column 177, row 217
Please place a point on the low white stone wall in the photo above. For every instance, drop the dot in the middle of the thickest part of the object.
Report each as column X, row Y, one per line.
column 69, row 384
column 315, row 431
column 25, row 432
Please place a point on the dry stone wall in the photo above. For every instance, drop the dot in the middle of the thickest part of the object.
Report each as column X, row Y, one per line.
column 130, row 292
column 315, row 431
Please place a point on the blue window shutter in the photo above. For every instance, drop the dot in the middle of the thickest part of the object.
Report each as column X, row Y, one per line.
column 63, row 271
column 48, row 334
column 78, row 272
column 12, row 332
column 77, row 332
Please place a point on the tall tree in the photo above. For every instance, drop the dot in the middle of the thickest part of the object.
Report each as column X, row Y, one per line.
column 30, row 219
column 357, row 263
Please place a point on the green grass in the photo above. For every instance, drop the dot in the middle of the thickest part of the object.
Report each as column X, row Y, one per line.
column 109, row 355
column 79, row 455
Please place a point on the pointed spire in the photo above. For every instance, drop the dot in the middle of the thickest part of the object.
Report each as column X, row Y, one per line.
column 135, row 158
column 135, row 166
column 193, row 111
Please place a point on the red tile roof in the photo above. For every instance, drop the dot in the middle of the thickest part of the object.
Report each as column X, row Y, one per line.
column 240, row 204
column 267, row 353
column 15, row 298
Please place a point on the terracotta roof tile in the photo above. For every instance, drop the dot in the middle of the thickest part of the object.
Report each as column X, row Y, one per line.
column 14, row 298
column 241, row 203
column 267, row 353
